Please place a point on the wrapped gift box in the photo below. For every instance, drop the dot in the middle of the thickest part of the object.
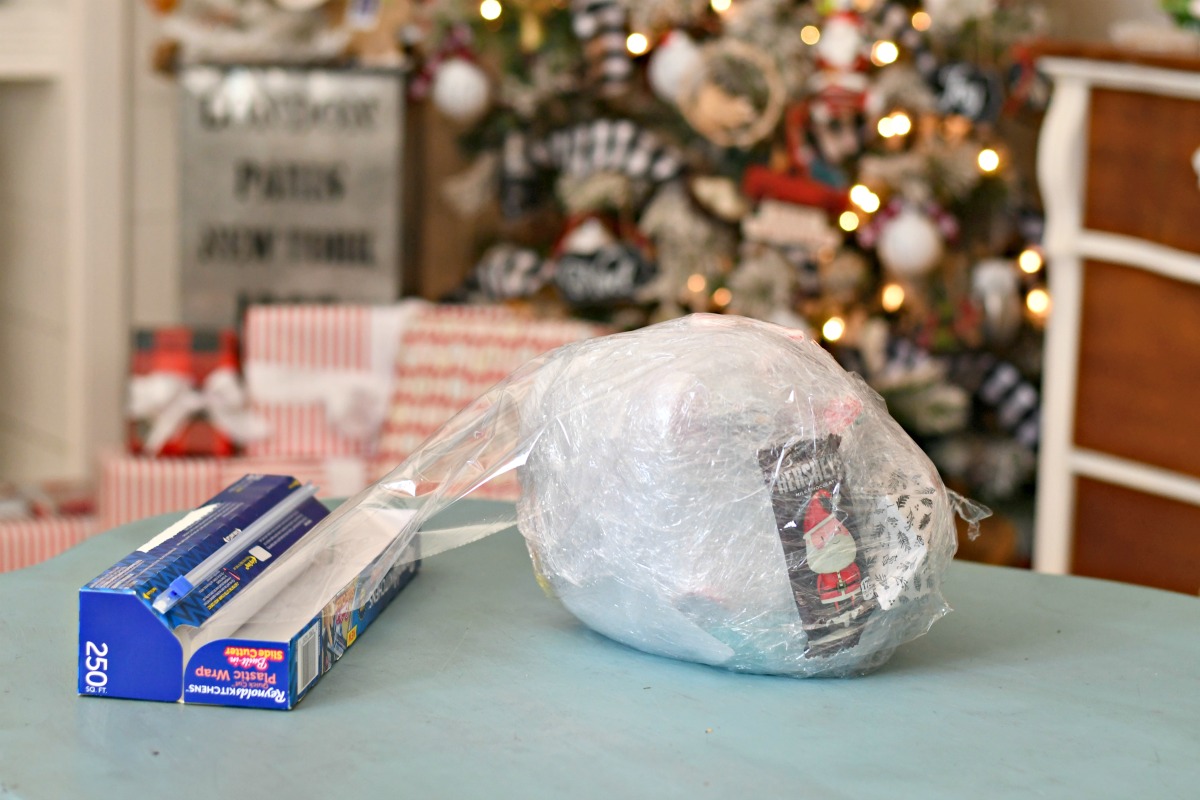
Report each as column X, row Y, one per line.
column 25, row 542
column 135, row 487
column 183, row 385
column 321, row 375
column 40, row 520
column 449, row 355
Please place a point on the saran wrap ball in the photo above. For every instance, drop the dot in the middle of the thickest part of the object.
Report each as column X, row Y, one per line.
column 719, row 490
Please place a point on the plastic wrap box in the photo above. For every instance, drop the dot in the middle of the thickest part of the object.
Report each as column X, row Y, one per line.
column 258, row 632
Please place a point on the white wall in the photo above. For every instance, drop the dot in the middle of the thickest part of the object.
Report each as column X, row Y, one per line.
column 1090, row 19
column 63, row 230
column 155, row 184
column 33, row 258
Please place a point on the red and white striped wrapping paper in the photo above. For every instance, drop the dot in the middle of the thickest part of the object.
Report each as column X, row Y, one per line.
column 26, row 542
column 449, row 355
column 135, row 487
column 321, row 374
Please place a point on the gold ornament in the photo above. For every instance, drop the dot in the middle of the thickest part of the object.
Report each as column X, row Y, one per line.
column 532, row 31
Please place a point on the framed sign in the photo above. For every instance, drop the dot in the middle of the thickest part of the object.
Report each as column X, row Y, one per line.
column 291, row 188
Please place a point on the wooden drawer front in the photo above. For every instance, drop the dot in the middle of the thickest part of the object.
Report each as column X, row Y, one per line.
column 1140, row 178
column 1125, row 535
column 1138, row 391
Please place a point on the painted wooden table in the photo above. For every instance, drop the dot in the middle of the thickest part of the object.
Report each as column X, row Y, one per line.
column 475, row 684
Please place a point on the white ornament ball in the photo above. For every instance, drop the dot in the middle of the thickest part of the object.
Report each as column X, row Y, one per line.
column 461, row 90
column 673, row 65
column 910, row 244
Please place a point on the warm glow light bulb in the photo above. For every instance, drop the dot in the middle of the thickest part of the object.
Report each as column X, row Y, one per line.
column 864, row 198
column 989, row 160
column 722, row 296
column 893, row 297
column 886, row 127
column 637, row 43
column 810, row 34
column 833, row 328
column 848, row 221
column 884, row 53
column 1038, row 301
column 922, row 21
column 1030, row 261
column 901, row 123
column 696, row 283
column 720, row 6
column 490, row 9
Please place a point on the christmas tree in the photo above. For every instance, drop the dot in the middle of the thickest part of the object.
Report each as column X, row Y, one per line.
column 836, row 166
column 856, row 168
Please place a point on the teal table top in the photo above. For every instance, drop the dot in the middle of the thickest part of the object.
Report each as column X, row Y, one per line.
column 474, row 683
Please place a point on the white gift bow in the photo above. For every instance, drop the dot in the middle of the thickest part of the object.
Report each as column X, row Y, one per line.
column 168, row 400
column 355, row 402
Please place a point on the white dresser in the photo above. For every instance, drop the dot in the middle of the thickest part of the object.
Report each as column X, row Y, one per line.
column 1119, row 170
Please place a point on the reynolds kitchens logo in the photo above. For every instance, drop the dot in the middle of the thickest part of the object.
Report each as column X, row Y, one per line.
column 250, row 105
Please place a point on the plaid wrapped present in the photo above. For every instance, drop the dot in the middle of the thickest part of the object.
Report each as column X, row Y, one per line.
column 449, row 356
column 185, row 396
column 321, row 375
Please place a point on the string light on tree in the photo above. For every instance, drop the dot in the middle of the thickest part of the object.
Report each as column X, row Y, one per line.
column 848, row 221
column 884, row 52
column 722, row 297
column 833, row 329
column 1030, row 261
column 721, row 6
column 637, row 43
column 894, row 124
column 1038, row 302
column 989, row 160
column 921, row 21
column 810, row 34
column 490, row 9
column 696, row 283
column 864, row 198
column 892, row 297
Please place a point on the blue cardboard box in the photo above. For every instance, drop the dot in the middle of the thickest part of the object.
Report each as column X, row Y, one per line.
column 272, row 615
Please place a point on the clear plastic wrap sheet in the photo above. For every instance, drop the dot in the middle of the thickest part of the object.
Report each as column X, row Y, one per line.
column 713, row 489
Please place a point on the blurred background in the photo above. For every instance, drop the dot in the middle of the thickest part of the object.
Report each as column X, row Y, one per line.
column 177, row 177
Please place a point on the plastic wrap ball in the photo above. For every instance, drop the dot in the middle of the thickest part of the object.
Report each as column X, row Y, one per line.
column 719, row 490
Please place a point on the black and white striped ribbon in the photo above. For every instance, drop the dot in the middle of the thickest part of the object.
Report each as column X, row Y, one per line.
column 994, row 383
column 1004, row 389
column 607, row 145
column 600, row 27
